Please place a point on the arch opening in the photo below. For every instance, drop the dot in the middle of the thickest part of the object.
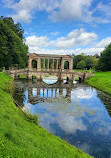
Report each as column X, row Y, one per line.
column 49, row 79
column 34, row 64
column 66, row 65
column 21, row 76
column 34, row 77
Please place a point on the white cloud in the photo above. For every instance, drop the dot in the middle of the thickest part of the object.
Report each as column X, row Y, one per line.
column 49, row 51
column 106, row 9
column 72, row 9
column 78, row 37
column 25, row 8
column 66, row 45
column 89, row 51
column 37, row 42
column 59, row 10
column 73, row 39
column 70, row 124
column 23, row 15
column 103, row 42
column 97, row 48
column 82, row 93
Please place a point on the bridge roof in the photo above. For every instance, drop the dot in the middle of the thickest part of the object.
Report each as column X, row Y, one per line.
column 49, row 55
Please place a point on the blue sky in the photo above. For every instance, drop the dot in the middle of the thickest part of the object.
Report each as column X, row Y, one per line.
column 62, row 26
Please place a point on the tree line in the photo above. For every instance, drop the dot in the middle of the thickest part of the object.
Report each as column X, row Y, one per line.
column 83, row 61
column 99, row 63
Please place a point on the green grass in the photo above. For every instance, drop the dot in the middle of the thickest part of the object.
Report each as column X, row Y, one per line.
column 22, row 76
column 79, row 70
column 48, row 76
column 76, row 78
column 21, row 137
column 102, row 81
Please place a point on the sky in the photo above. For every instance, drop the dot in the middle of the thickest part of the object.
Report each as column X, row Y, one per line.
column 62, row 26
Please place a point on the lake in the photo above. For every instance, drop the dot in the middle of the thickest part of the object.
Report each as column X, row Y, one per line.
column 75, row 112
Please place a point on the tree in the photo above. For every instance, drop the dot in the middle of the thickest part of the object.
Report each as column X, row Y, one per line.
column 81, row 65
column 96, row 55
column 89, row 62
column 17, row 28
column 77, row 59
column 95, row 63
column 12, row 49
column 104, row 63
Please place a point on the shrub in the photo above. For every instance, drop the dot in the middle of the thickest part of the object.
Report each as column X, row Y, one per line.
column 33, row 118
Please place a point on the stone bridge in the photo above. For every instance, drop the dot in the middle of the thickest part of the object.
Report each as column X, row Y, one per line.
column 40, row 65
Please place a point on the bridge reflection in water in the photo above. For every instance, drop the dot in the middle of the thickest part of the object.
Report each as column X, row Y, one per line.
column 40, row 91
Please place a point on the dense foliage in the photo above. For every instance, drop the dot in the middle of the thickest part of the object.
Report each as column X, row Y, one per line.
column 83, row 61
column 13, row 51
column 81, row 64
column 104, row 63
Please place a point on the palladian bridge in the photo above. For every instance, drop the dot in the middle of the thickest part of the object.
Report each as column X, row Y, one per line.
column 40, row 65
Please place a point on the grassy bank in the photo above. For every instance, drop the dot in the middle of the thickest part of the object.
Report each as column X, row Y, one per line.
column 102, row 81
column 20, row 138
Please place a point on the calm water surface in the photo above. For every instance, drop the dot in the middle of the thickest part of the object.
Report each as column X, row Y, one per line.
column 77, row 113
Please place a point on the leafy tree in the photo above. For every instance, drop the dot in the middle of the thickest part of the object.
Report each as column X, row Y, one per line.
column 12, row 49
column 104, row 63
column 96, row 55
column 95, row 63
column 89, row 62
column 77, row 59
column 17, row 28
column 81, row 65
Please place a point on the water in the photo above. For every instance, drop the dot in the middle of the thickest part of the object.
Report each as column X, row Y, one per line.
column 77, row 113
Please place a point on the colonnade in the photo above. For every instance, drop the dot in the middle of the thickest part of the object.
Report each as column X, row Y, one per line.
column 60, row 60
column 44, row 64
column 44, row 92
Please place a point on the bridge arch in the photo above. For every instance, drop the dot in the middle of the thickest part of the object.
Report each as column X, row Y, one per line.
column 49, row 79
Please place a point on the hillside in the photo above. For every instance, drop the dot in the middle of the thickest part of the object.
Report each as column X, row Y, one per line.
column 102, row 81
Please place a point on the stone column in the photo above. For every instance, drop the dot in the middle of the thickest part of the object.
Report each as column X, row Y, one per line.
column 38, row 92
column 55, row 92
column 71, row 64
column 47, row 63
column 56, row 63
column 47, row 93
column 29, row 93
column 68, row 92
column 39, row 64
column 43, row 92
column 60, row 91
column 3, row 69
column 43, row 63
column 52, row 92
column 52, row 63
column 61, row 64
column 29, row 63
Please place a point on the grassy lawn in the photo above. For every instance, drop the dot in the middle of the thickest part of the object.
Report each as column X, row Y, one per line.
column 79, row 70
column 102, row 81
column 21, row 138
